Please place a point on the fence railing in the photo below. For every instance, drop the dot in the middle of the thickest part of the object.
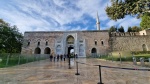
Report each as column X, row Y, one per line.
column 102, row 66
column 7, row 60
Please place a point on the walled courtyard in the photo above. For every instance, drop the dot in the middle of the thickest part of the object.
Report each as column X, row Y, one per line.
column 46, row 72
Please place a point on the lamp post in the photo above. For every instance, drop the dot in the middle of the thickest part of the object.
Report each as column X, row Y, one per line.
column 120, row 57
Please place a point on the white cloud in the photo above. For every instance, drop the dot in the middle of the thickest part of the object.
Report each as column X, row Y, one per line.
column 54, row 15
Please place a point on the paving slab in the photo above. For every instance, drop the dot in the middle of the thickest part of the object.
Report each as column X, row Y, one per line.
column 46, row 72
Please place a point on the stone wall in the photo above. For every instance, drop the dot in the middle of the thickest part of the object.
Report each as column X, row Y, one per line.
column 130, row 43
column 42, row 37
column 98, row 37
column 91, row 39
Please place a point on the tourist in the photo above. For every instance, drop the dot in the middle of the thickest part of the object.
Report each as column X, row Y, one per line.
column 76, row 56
column 54, row 57
column 64, row 56
column 57, row 57
column 61, row 57
column 51, row 57
column 67, row 55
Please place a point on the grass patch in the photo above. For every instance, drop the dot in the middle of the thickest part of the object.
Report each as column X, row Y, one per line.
column 17, row 59
column 125, row 56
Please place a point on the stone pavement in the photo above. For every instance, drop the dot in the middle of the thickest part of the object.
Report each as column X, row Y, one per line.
column 46, row 72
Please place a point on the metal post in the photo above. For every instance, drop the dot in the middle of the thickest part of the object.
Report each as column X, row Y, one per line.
column 132, row 54
column 19, row 60
column 100, row 75
column 7, row 59
column 120, row 58
column 69, row 62
column 111, row 57
column 77, row 69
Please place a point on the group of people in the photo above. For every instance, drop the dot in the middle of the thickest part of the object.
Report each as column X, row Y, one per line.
column 61, row 57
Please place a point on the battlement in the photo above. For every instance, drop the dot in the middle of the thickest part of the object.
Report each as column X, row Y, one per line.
column 113, row 34
column 122, row 34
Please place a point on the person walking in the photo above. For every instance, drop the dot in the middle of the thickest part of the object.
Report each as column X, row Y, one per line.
column 54, row 57
column 76, row 55
column 64, row 56
column 51, row 57
column 57, row 57
column 61, row 57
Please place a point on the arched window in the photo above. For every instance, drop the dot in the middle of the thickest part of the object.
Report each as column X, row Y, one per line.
column 70, row 40
column 46, row 43
column 28, row 44
column 37, row 51
column 102, row 42
column 58, row 49
column 38, row 44
column 95, row 42
column 81, row 50
column 144, row 47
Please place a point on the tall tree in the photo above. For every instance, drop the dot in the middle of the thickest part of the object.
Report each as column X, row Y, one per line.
column 129, row 29
column 112, row 29
column 145, row 23
column 10, row 38
column 120, row 8
column 136, row 29
column 121, row 29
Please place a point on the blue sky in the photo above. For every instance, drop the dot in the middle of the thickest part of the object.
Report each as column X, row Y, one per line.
column 59, row 15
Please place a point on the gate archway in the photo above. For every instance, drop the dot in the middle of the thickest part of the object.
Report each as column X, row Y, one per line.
column 93, row 50
column 47, row 50
column 37, row 51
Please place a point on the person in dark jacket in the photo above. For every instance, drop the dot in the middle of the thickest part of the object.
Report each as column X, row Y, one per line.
column 57, row 57
column 51, row 57
column 61, row 57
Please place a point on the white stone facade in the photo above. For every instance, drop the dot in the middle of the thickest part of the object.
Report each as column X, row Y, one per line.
column 83, row 43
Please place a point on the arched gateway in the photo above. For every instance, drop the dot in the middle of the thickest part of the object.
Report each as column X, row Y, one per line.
column 70, row 44
column 47, row 50
column 37, row 51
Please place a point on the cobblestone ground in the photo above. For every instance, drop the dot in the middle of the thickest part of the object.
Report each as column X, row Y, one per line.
column 46, row 72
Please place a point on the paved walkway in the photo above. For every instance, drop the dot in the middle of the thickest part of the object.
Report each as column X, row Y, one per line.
column 46, row 72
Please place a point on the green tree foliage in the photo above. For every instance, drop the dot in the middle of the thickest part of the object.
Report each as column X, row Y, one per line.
column 10, row 38
column 145, row 23
column 120, row 8
column 112, row 29
column 134, row 29
column 121, row 29
column 129, row 29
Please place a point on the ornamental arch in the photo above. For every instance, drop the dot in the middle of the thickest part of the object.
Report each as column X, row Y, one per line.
column 37, row 50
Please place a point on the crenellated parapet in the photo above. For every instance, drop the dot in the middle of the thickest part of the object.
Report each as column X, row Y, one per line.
column 121, row 34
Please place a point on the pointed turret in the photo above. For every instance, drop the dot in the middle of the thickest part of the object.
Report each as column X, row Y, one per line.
column 97, row 22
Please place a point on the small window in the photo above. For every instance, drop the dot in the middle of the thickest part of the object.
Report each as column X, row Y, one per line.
column 81, row 41
column 46, row 43
column 95, row 42
column 102, row 42
column 38, row 43
column 58, row 41
column 28, row 44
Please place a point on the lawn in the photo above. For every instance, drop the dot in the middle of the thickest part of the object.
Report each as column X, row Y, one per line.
column 125, row 56
column 17, row 59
